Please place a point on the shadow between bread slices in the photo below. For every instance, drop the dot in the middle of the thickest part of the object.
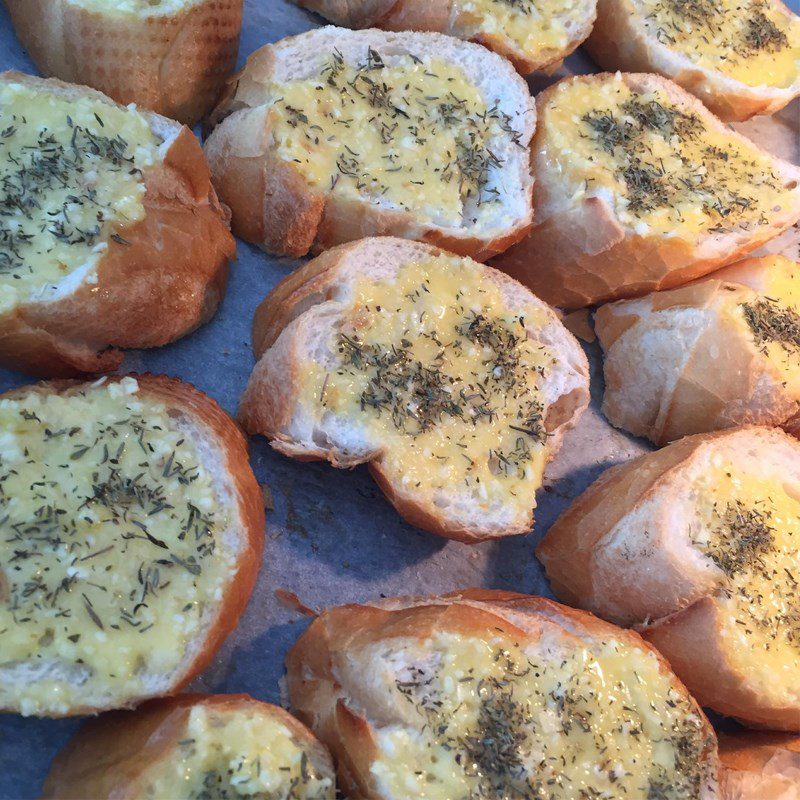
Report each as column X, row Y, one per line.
column 121, row 241
column 453, row 382
column 133, row 536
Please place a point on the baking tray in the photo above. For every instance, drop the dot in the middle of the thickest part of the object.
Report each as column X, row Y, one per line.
column 331, row 537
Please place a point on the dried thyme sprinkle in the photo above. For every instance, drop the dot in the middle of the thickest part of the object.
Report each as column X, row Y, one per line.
column 770, row 322
column 761, row 34
column 744, row 535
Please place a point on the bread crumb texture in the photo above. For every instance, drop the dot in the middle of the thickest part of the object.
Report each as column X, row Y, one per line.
column 109, row 546
column 756, row 42
column 245, row 754
column 71, row 176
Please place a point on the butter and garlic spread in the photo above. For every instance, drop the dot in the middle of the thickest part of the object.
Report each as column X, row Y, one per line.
column 412, row 134
column 751, row 530
column 488, row 718
column 446, row 380
column 237, row 755
column 663, row 170
column 70, row 171
column 752, row 41
column 109, row 556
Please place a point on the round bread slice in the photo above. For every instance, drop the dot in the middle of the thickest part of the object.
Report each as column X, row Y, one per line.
column 759, row 766
column 451, row 380
column 334, row 135
column 721, row 352
column 640, row 188
column 740, row 57
column 111, row 234
column 130, row 539
column 169, row 56
column 699, row 545
column 494, row 694
column 532, row 34
column 193, row 746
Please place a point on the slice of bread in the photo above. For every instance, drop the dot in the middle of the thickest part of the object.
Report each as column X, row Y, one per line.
column 740, row 57
column 531, row 34
column 170, row 56
column 132, row 530
column 193, row 746
column 453, row 382
column 639, row 188
column 334, row 135
column 699, row 545
column 759, row 766
column 720, row 352
column 493, row 694
column 111, row 234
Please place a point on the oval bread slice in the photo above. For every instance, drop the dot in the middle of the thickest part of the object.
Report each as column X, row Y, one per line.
column 494, row 694
column 111, row 234
column 532, row 34
column 759, row 766
column 334, row 135
column 130, row 540
column 640, row 188
column 740, row 57
column 697, row 544
column 169, row 56
column 452, row 381
column 193, row 746
column 721, row 352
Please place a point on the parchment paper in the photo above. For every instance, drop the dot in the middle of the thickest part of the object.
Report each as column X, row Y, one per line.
column 332, row 538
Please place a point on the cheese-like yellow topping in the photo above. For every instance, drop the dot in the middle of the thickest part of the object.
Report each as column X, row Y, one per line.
column 410, row 134
column 753, row 41
column 139, row 8
column 440, row 375
column 70, row 171
column 109, row 556
column 487, row 718
column 536, row 26
column 751, row 530
column 233, row 755
column 662, row 169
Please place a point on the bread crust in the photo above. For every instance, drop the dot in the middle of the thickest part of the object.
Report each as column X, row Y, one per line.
column 759, row 766
column 318, row 691
column 110, row 755
column 275, row 207
column 166, row 281
column 175, row 65
column 269, row 402
column 581, row 254
column 658, row 585
column 620, row 41
column 442, row 16
column 220, row 432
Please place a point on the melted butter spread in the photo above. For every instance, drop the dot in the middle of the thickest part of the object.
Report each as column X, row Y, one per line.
column 752, row 41
column 237, row 755
column 536, row 26
column 446, row 380
column 108, row 545
column 136, row 7
column 487, row 718
column 751, row 530
column 662, row 169
column 70, row 177
column 413, row 134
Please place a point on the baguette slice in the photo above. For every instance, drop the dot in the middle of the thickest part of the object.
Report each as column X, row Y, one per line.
column 532, row 35
column 334, row 135
column 130, row 540
column 170, row 56
column 760, row 766
column 494, row 694
column 640, row 188
column 740, row 57
column 721, row 352
column 111, row 234
column 697, row 544
column 454, row 383
column 193, row 746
